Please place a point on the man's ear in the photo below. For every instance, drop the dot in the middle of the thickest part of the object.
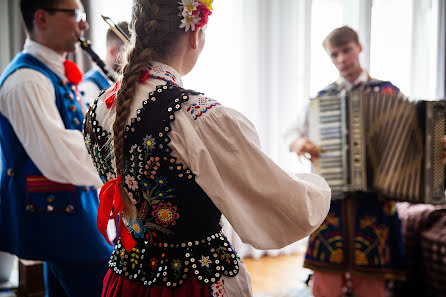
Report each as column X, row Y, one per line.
column 41, row 19
column 194, row 38
column 112, row 51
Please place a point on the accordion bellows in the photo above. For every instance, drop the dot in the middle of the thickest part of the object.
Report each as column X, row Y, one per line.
column 380, row 142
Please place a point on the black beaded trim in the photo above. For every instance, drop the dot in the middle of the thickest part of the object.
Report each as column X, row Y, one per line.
column 91, row 127
column 98, row 130
column 170, row 263
column 173, row 263
column 162, row 136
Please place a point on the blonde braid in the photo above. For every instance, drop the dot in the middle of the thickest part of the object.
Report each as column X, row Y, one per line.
column 149, row 23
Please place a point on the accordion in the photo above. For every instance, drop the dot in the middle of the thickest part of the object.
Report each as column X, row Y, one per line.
column 382, row 143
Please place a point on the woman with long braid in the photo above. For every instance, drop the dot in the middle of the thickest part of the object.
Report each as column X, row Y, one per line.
column 173, row 161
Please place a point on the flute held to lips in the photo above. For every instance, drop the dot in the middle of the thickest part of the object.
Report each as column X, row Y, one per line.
column 86, row 46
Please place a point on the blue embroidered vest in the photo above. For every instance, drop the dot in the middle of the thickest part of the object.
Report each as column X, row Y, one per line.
column 178, row 230
column 97, row 78
column 41, row 219
column 372, row 84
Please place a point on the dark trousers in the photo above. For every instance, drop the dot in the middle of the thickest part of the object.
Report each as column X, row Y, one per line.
column 74, row 280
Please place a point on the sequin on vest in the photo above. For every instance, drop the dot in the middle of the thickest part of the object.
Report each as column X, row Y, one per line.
column 178, row 230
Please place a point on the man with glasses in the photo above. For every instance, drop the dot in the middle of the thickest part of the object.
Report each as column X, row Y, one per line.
column 48, row 200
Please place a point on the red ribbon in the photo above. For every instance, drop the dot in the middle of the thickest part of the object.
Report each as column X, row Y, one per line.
column 110, row 206
column 110, row 99
column 127, row 240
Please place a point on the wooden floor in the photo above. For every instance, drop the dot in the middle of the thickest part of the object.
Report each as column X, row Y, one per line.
column 272, row 274
column 268, row 274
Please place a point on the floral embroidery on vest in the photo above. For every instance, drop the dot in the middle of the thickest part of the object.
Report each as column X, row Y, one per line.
column 96, row 147
column 169, row 202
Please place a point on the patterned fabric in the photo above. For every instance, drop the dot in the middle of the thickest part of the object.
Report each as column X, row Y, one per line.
column 98, row 150
column 196, row 110
column 361, row 234
column 372, row 85
column 208, row 259
column 218, row 289
column 433, row 252
column 423, row 230
column 158, row 72
column 177, row 229
column 40, row 187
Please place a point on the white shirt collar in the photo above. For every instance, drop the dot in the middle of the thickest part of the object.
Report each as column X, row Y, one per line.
column 47, row 56
column 165, row 72
column 344, row 83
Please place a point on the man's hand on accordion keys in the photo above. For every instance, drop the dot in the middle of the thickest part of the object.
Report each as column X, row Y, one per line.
column 304, row 147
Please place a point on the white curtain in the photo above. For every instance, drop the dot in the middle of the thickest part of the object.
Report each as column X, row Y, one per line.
column 117, row 10
column 256, row 60
column 406, row 45
column 424, row 49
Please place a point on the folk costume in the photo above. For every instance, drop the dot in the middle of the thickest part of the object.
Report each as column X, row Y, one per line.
column 48, row 202
column 188, row 159
column 360, row 241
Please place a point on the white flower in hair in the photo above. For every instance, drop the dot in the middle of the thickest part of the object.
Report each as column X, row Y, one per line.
column 189, row 21
column 188, row 6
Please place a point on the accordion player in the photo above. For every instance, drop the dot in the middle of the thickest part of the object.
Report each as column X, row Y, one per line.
column 380, row 142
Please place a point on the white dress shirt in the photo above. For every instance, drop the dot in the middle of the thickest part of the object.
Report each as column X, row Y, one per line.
column 345, row 84
column 28, row 101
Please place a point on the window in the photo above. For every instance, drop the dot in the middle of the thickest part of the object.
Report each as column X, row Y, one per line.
column 325, row 16
column 404, row 45
column 117, row 10
column 265, row 58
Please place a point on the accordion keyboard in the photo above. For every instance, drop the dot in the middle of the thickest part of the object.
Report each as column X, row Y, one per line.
column 326, row 120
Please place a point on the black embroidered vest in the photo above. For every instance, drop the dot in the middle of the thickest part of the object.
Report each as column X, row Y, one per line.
column 178, row 230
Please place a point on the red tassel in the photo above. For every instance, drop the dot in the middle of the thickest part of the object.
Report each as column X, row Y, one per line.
column 72, row 72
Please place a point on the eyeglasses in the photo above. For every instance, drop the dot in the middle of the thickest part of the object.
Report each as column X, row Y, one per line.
column 79, row 14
